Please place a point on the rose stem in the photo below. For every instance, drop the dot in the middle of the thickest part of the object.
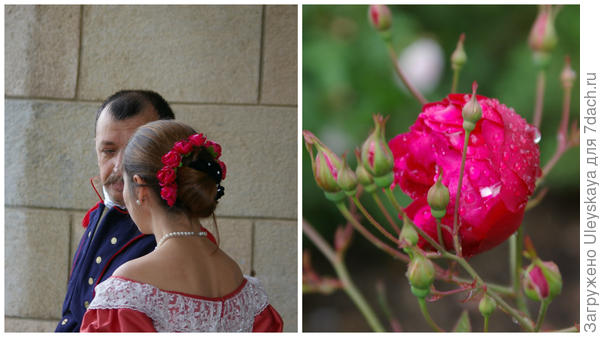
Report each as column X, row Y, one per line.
column 392, row 199
column 342, row 272
column 368, row 235
column 374, row 222
column 455, row 75
column 516, row 262
column 562, row 132
column 382, row 298
column 538, row 198
column 450, row 292
column 485, row 323
column 385, row 212
column 541, row 314
column 423, row 306
column 491, row 287
column 439, row 233
column 457, row 246
column 510, row 310
column 500, row 289
column 414, row 91
column 539, row 99
column 428, row 238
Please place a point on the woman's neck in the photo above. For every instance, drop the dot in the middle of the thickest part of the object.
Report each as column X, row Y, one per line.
column 163, row 223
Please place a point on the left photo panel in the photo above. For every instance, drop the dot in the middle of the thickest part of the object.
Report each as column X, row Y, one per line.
column 151, row 168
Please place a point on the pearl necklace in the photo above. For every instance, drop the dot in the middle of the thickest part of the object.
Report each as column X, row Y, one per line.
column 179, row 234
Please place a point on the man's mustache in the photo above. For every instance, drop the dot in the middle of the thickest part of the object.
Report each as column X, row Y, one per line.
column 113, row 178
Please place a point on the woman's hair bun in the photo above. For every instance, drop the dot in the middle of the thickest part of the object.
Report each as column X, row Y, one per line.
column 196, row 189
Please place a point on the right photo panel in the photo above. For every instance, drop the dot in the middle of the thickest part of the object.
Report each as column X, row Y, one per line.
column 440, row 168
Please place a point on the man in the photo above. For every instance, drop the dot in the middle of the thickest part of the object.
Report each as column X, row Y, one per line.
column 111, row 238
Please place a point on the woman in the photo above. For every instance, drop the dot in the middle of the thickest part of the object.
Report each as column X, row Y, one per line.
column 172, row 179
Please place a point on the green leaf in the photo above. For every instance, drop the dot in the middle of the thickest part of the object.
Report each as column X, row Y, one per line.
column 464, row 323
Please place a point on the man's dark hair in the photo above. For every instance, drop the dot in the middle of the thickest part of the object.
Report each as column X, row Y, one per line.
column 125, row 104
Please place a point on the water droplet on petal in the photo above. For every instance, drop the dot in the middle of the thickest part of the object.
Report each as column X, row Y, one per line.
column 534, row 132
column 537, row 136
column 490, row 191
column 473, row 173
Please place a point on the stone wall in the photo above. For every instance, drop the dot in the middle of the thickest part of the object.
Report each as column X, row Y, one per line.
column 229, row 71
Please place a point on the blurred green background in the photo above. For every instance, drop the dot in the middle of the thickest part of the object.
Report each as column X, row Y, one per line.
column 348, row 76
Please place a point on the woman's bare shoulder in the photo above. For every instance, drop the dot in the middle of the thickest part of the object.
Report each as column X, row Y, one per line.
column 139, row 269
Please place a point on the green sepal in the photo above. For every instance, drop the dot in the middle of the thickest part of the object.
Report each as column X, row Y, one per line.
column 335, row 196
column 384, row 181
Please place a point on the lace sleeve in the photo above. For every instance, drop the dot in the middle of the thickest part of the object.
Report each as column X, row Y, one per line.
column 116, row 320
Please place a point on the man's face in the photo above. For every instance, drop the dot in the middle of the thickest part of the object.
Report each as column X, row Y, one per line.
column 111, row 139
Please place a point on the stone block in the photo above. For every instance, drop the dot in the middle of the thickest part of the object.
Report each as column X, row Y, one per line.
column 186, row 53
column 36, row 256
column 260, row 150
column 29, row 325
column 276, row 265
column 50, row 154
column 235, row 237
column 280, row 56
column 41, row 50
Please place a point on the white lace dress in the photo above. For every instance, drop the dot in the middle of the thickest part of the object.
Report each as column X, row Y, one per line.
column 121, row 304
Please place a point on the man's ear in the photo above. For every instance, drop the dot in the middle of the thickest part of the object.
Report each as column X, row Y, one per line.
column 141, row 191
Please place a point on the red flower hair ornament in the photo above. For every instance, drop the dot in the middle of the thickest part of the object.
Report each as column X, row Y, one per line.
column 502, row 164
column 172, row 160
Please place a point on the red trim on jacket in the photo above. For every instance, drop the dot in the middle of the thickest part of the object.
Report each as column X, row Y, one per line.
column 86, row 219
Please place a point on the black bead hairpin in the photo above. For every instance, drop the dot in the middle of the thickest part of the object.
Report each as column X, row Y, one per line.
column 213, row 170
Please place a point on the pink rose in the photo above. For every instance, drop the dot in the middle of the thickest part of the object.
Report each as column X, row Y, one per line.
column 169, row 194
column 501, row 168
column 216, row 148
column 197, row 139
column 183, row 147
column 171, row 159
column 165, row 176
column 223, row 170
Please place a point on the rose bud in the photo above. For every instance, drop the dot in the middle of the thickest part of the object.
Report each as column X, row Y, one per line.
column 408, row 234
column 542, row 37
column 487, row 305
column 421, row 274
column 567, row 76
column 438, row 198
column 459, row 57
column 325, row 167
column 364, row 177
column 380, row 17
column 542, row 280
column 376, row 155
column 346, row 178
column 501, row 168
column 471, row 112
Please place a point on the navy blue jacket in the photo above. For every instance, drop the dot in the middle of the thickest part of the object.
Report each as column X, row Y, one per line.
column 103, row 248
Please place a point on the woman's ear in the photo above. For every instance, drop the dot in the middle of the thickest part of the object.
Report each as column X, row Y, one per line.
column 141, row 191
